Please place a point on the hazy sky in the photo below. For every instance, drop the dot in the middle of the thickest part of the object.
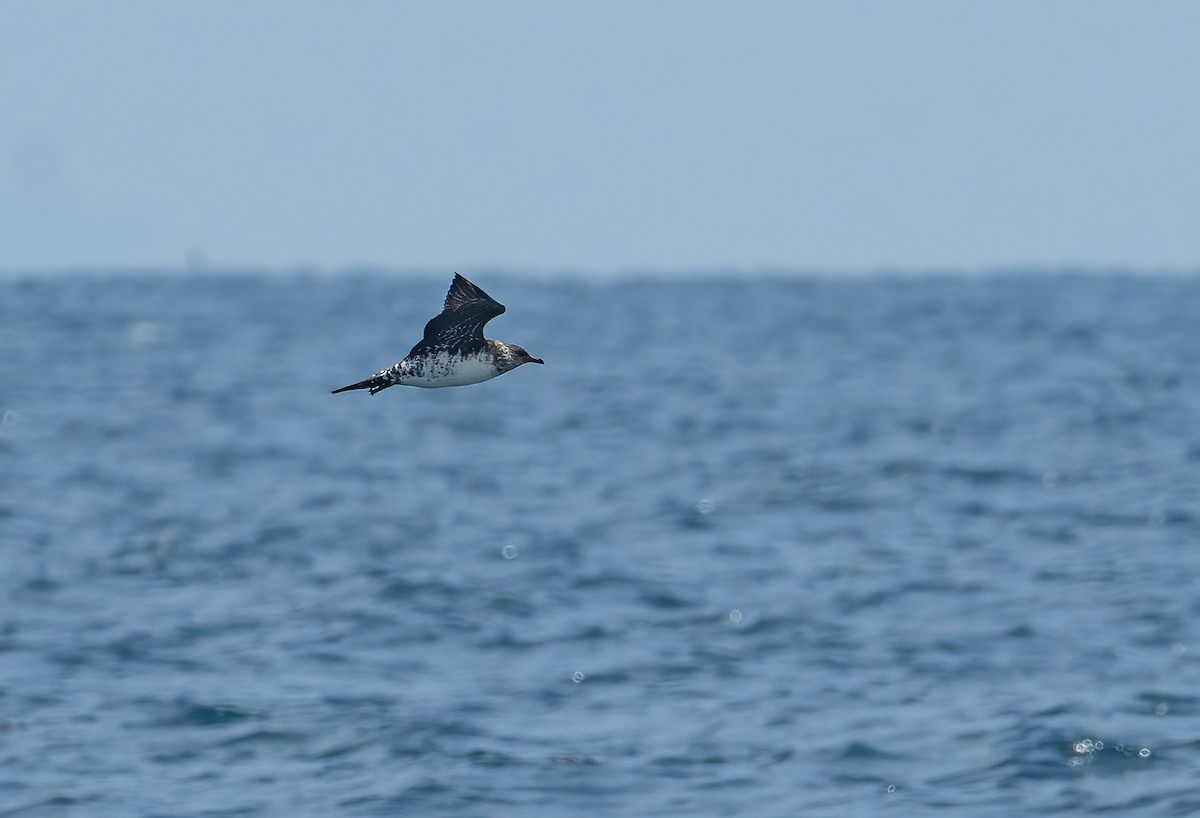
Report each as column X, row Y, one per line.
column 601, row 136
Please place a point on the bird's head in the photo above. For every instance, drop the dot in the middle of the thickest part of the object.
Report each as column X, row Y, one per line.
column 520, row 356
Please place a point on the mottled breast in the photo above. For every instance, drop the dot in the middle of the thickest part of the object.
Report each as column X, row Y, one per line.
column 445, row 368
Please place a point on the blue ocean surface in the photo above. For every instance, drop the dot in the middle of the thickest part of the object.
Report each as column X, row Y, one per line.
column 742, row 547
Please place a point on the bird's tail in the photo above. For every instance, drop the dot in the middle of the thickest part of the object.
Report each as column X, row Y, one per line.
column 375, row 384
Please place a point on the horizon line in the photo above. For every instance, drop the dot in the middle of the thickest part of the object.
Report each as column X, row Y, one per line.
column 647, row 271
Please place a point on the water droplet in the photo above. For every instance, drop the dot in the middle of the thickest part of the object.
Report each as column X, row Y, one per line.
column 704, row 506
column 1079, row 748
column 1120, row 748
column 143, row 332
column 1162, row 709
column 1074, row 762
column 735, row 616
column 1179, row 650
column 577, row 677
column 1099, row 745
column 509, row 552
column 1144, row 752
column 9, row 417
column 891, row 787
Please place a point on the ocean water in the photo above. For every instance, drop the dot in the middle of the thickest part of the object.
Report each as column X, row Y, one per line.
column 742, row 547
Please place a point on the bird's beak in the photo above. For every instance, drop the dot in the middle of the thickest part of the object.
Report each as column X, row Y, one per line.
column 536, row 361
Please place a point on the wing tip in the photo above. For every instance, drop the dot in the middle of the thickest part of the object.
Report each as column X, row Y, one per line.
column 463, row 291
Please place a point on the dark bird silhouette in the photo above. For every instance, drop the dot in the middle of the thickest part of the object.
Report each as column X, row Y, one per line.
column 453, row 351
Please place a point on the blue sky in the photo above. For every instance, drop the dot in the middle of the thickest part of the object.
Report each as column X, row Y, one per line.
column 601, row 137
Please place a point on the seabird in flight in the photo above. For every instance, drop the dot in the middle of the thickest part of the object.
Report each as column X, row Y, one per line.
column 453, row 351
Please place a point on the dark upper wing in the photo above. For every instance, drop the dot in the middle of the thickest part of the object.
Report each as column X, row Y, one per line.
column 460, row 324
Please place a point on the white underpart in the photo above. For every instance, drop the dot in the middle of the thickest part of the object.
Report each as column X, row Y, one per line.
column 445, row 369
